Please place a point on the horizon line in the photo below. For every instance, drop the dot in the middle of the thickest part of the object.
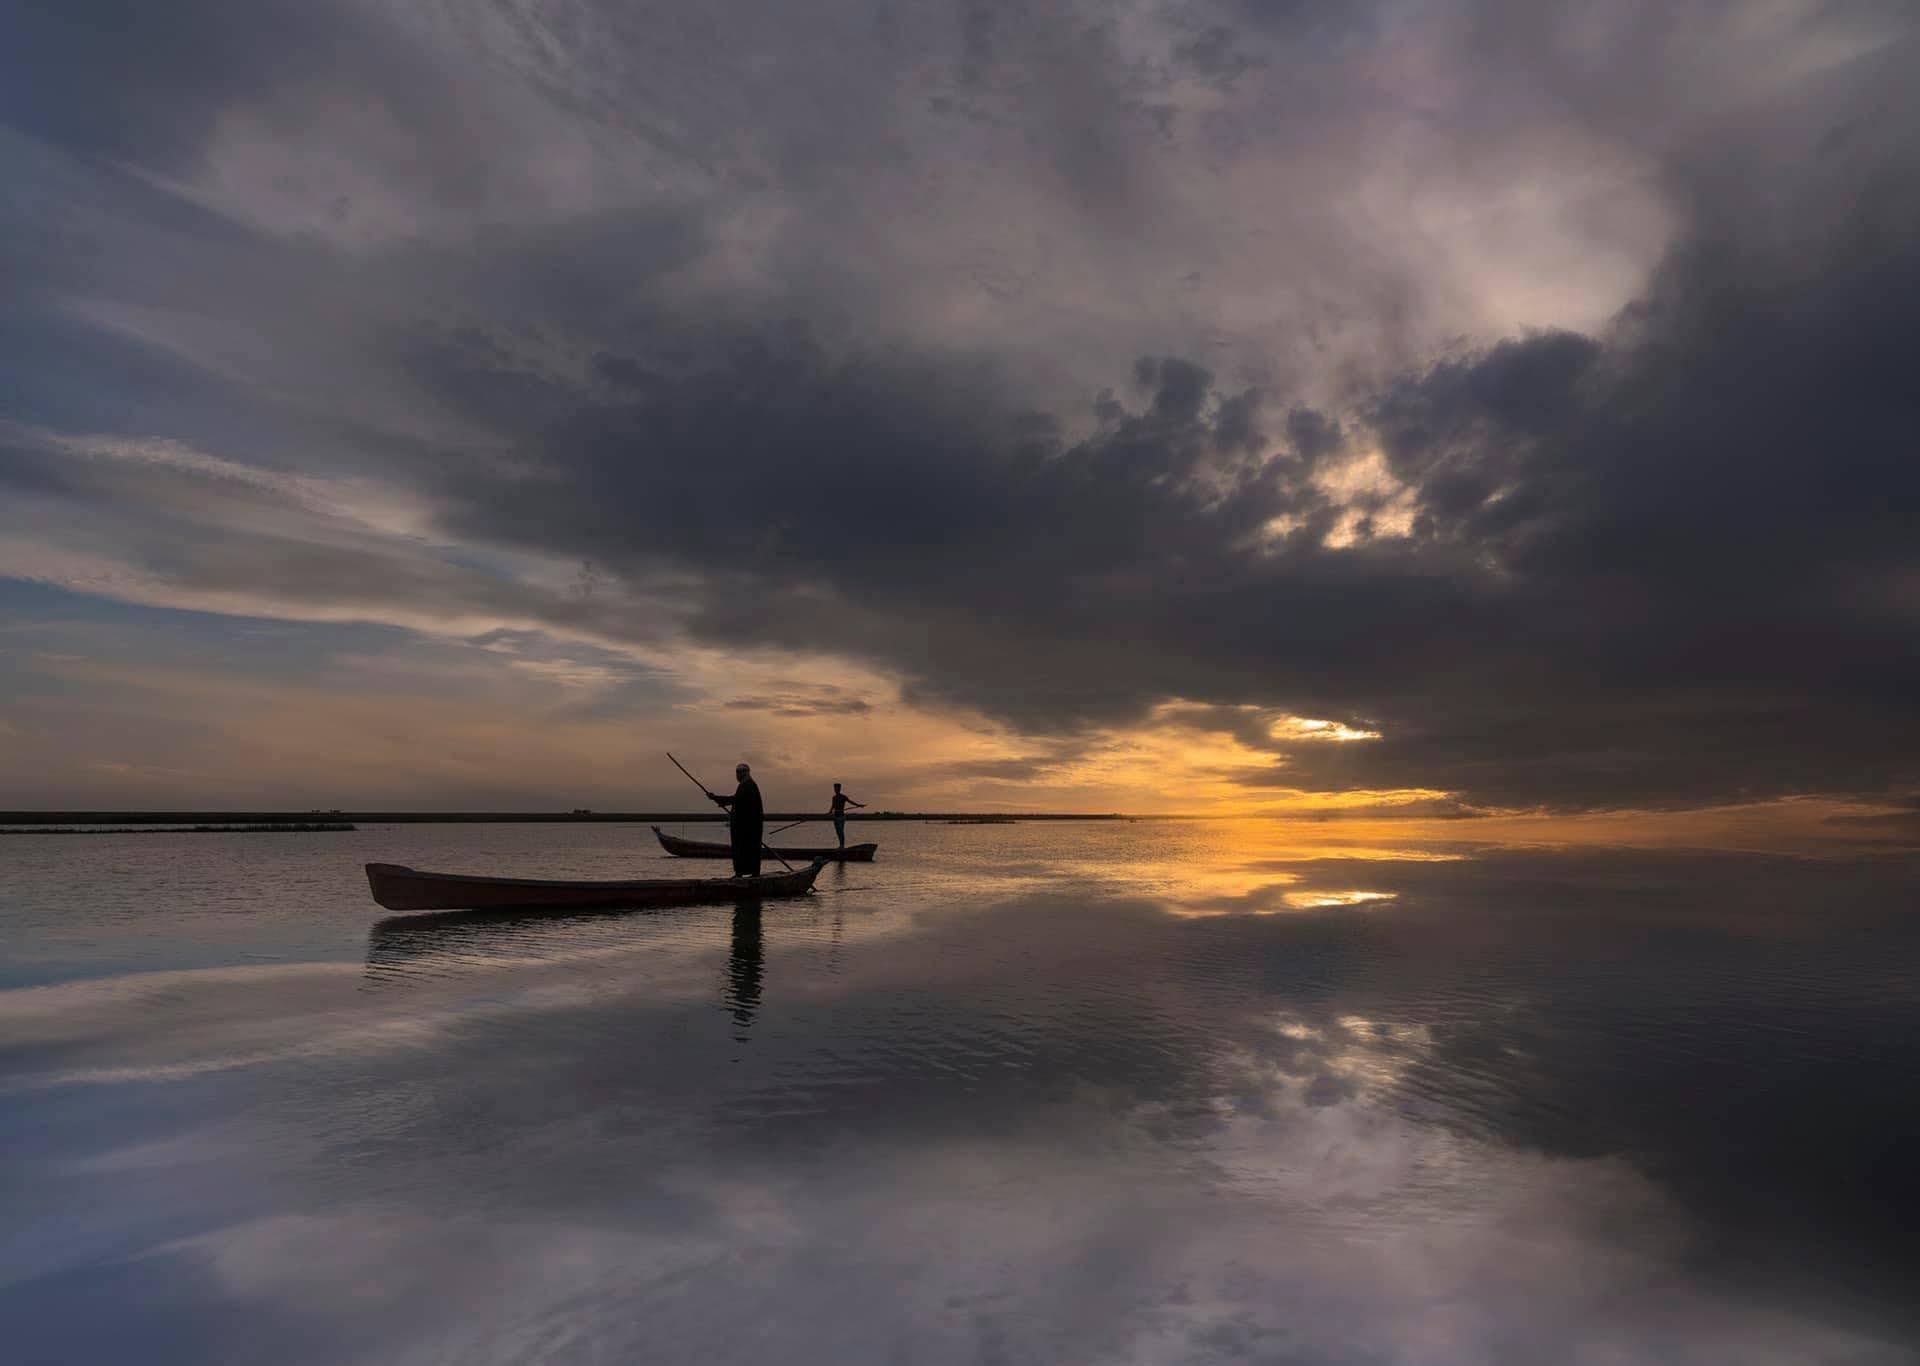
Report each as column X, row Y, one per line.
column 582, row 816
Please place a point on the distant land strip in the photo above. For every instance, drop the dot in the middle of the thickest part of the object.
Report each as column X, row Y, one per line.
column 273, row 828
column 281, row 819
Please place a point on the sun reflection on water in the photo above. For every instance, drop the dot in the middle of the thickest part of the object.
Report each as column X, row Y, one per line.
column 1251, row 867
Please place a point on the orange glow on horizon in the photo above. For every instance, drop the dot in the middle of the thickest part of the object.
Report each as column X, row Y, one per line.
column 486, row 726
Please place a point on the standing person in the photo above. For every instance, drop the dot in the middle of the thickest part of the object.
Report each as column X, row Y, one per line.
column 746, row 818
column 841, row 801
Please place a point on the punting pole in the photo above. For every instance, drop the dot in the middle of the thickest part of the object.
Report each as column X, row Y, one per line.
column 709, row 791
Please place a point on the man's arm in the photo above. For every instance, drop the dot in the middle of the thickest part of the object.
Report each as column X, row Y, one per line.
column 851, row 802
column 722, row 802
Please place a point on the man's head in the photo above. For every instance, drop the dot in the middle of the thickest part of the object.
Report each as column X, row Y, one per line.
column 836, row 787
column 741, row 770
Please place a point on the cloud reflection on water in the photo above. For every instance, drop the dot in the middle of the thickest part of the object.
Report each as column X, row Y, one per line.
column 1035, row 1125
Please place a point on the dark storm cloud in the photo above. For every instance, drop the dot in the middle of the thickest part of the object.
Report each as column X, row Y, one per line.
column 1666, row 560
column 1662, row 563
column 897, row 490
column 1592, row 608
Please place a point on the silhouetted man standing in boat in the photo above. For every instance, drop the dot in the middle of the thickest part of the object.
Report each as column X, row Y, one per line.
column 841, row 801
column 746, row 819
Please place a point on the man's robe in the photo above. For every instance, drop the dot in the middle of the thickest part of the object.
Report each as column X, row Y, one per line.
column 746, row 823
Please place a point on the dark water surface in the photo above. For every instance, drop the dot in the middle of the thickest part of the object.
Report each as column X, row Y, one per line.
column 1143, row 1093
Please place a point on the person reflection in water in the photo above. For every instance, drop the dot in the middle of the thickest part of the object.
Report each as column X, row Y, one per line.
column 841, row 801
column 745, row 820
column 744, row 968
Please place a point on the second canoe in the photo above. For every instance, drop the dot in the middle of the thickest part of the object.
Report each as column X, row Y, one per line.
column 673, row 844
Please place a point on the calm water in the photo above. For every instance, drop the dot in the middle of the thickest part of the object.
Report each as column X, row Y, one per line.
column 1135, row 1093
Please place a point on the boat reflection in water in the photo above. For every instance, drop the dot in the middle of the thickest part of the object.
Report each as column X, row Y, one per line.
column 407, row 945
column 404, row 949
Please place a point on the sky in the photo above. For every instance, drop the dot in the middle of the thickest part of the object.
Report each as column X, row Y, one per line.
column 1486, row 413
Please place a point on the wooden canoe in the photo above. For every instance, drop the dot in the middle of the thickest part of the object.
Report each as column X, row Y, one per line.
column 406, row 889
column 853, row 853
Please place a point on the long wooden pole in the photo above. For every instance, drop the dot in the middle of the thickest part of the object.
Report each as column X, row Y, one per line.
column 709, row 791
